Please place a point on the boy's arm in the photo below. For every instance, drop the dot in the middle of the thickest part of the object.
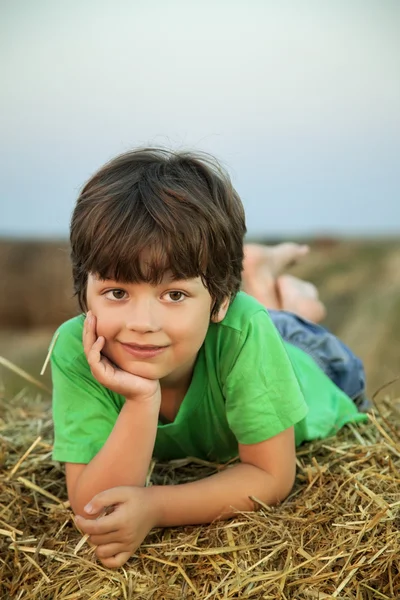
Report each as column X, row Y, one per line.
column 123, row 460
column 125, row 457
column 266, row 471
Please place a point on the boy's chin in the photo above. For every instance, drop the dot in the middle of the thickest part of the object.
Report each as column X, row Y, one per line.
column 144, row 374
column 140, row 370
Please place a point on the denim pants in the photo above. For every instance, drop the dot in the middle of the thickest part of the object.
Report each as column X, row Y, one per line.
column 336, row 360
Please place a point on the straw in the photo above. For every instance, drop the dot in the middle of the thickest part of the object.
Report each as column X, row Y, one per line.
column 336, row 536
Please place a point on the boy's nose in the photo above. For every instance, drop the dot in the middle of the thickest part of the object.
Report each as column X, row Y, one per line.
column 142, row 317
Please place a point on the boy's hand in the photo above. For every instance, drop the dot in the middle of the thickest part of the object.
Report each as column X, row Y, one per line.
column 118, row 534
column 131, row 386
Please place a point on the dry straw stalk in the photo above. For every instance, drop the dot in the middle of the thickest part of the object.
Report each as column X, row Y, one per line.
column 336, row 536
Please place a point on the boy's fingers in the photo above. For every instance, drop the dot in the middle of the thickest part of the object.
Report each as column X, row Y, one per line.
column 96, row 527
column 108, row 550
column 94, row 356
column 115, row 495
column 116, row 561
column 89, row 332
column 88, row 338
column 105, row 538
column 102, row 369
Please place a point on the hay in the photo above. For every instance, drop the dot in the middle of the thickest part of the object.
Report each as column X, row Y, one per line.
column 336, row 536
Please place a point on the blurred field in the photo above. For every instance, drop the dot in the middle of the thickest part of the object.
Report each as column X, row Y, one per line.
column 358, row 280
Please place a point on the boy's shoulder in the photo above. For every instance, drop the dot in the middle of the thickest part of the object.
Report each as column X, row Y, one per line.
column 242, row 312
column 247, row 325
column 67, row 340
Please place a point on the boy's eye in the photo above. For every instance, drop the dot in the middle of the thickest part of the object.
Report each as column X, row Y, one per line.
column 176, row 296
column 115, row 294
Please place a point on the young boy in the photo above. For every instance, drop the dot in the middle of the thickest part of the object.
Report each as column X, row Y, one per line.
column 176, row 361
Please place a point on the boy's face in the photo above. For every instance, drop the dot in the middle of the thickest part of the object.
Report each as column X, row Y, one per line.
column 153, row 331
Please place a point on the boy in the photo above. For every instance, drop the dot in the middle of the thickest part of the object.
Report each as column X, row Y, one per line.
column 175, row 362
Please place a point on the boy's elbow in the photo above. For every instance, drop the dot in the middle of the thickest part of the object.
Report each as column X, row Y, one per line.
column 77, row 506
column 277, row 488
column 286, row 487
column 78, row 496
column 286, row 483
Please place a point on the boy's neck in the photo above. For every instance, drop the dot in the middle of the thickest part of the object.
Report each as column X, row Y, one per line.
column 173, row 392
column 171, row 400
column 179, row 379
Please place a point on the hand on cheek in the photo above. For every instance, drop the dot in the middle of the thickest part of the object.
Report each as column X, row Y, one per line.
column 110, row 375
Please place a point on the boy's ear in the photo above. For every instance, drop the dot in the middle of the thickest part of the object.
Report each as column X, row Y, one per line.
column 217, row 318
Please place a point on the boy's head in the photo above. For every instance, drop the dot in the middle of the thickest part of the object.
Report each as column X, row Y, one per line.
column 152, row 211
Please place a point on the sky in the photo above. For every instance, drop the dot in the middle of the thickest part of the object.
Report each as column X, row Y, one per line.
column 300, row 101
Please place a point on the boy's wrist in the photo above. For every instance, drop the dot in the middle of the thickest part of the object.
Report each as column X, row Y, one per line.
column 156, row 504
column 142, row 408
column 153, row 400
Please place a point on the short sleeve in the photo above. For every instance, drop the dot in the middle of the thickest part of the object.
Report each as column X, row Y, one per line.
column 84, row 412
column 263, row 396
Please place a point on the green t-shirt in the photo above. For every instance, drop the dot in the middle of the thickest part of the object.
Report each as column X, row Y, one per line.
column 247, row 386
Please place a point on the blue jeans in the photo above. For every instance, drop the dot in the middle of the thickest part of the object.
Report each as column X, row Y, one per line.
column 336, row 360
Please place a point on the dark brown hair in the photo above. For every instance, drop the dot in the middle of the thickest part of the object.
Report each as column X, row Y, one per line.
column 152, row 210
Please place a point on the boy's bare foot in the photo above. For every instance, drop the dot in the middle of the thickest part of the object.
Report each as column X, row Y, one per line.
column 276, row 258
column 263, row 264
column 300, row 297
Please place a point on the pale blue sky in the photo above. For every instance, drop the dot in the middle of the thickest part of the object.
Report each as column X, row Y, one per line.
column 299, row 100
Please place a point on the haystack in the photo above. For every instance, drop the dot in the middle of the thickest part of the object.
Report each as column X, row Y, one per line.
column 336, row 536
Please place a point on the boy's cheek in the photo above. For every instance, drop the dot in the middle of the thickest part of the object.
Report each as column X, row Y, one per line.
column 101, row 329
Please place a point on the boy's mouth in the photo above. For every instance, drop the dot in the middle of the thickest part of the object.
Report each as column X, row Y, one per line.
column 143, row 350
